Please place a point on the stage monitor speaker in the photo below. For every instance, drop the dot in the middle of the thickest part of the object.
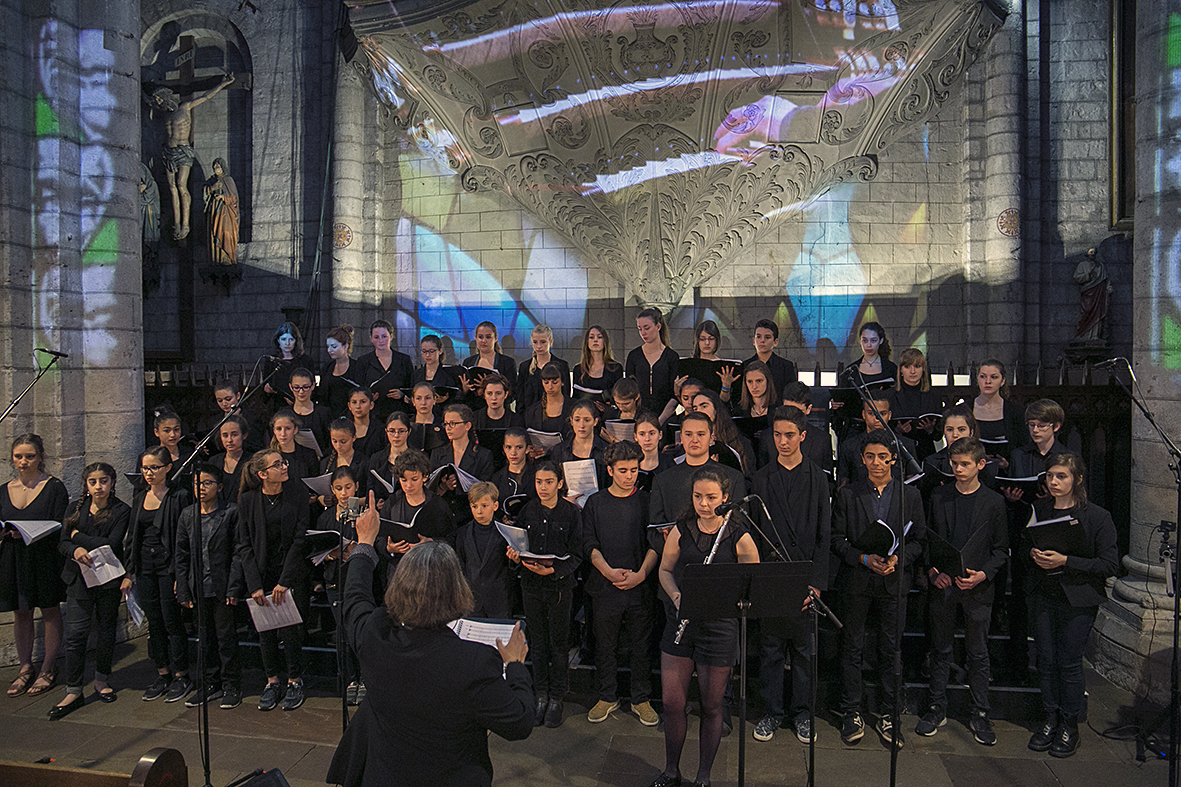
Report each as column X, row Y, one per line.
column 262, row 778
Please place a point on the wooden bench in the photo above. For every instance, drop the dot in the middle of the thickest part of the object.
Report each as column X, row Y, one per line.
column 158, row 768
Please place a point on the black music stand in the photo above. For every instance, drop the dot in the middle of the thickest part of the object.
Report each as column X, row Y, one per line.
column 744, row 591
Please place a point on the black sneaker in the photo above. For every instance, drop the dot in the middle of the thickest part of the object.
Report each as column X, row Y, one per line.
column 231, row 697
column 765, row 729
column 157, row 689
column 932, row 720
column 803, row 727
column 294, row 697
column 351, row 694
column 201, row 696
column 982, row 730
column 179, row 688
column 1066, row 739
column 885, row 728
column 852, row 728
column 271, row 696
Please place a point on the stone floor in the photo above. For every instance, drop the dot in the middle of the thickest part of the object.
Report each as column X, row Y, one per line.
column 619, row 752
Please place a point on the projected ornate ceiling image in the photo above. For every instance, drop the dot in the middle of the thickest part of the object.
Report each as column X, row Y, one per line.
column 662, row 138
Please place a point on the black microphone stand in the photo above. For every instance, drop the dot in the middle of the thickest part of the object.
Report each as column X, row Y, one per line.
column 40, row 373
column 912, row 466
column 187, row 468
column 1173, row 711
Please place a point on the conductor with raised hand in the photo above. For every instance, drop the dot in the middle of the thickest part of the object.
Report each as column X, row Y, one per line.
column 431, row 730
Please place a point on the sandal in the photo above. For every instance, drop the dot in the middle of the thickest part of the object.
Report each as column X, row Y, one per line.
column 45, row 681
column 21, row 684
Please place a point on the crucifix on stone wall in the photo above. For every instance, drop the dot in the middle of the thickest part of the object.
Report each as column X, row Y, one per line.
column 179, row 153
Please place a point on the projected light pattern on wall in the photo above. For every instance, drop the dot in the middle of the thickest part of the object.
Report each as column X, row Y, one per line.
column 1166, row 258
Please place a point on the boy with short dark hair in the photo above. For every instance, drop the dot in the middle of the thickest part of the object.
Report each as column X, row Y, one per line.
column 972, row 518
column 765, row 340
column 482, row 554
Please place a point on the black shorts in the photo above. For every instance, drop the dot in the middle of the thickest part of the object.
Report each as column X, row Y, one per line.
column 711, row 643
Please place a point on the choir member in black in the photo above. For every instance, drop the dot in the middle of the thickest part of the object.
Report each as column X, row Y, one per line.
column 997, row 417
column 654, row 364
column 709, row 340
column 291, row 356
column 597, row 370
column 313, row 416
column 766, row 339
column 369, row 436
column 971, row 517
column 341, row 374
column 550, row 413
column 426, row 430
column 272, row 530
column 227, row 396
column 488, row 358
column 850, row 466
column 344, row 453
column 672, row 491
column 155, row 510
column 302, row 461
column 875, row 364
column 429, row 517
column 795, row 492
column 1068, row 585
column 726, row 434
column 913, row 398
column 30, row 576
column 759, row 396
column 818, row 439
column 868, row 580
column 547, row 588
column 397, row 432
column 495, row 393
column 483, row 555
column 615, row 541
column 434, row 369
column 709, row 647
column 516, row 477
column 625, row 400
column 384, row 371
column 167, row 428
column 344, row 486
column 647, row 436
column 97, row 519
column 687, row 391
column 529, row 372
column 463, row 452
column 582, row 443
column 211, row 526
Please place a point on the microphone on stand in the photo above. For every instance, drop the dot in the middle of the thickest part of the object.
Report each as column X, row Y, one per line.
column 54, row 353
column 724, row 507
column 1110, row 362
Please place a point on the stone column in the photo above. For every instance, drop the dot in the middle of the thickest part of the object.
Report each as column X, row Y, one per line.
column 1135, row 628
column 350, row 295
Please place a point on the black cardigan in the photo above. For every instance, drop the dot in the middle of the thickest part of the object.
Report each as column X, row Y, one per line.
column 175, row 499
column 252, row 546
column 92, row 533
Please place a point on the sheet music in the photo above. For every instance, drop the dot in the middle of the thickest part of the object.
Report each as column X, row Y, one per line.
column 33, row 530
column 274, row 616
column 389, row 488
column 320, row 484
column 104, row 567
column 466, row 479
column 544, row 440
column 620, row 429
column 305, row 438
column 138, row 616
column 481, row 631
column 516, row 537
column 582, row 479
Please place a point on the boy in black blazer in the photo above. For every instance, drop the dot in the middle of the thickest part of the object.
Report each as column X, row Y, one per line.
column 483, row 555
column 972, row 518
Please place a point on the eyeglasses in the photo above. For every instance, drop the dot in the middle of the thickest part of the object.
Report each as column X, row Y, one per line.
column 447, row 424
column 426, row 351
column 1038, row 425
column 206, row 484
column 280, row 463
column 397, row 431
column 152, row 468
column 301, row 388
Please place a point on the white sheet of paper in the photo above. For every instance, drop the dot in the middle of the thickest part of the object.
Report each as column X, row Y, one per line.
column 33, row 530
column 582, row 479
column 516, row 537
column 305, row 437
column 320, row 484
column 466, row 479
column 389, row 488
column 481, row 631
column 138, row 616
column 621, row 430
column 104, row 567
column 544, row 440
column 274, row 616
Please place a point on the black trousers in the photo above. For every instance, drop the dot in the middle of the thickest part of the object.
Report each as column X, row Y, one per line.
column 627, row 615
column 977, row 617
column 290, row 636
column 219, row 643
column 776, row 646
column 101, row 606
column 887, row 613
column 168, row 645
column 547, row 630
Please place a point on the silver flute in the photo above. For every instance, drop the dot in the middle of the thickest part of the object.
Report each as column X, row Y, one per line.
column 708, row 559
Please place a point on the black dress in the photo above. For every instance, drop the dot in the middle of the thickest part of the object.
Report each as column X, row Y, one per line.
column 30, row 576
column 334, row 391
column 656, row 381
column 612, row 373
column 381, row 380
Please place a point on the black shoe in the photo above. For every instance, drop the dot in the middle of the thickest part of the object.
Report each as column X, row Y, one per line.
column 107, row 696
column 539, row 709
column 231, row 697
column 271, row 696
column 553, row 713
column 1066, row 738
column 727, row 722
column 852, row 728
column 932, row 720
column 1043, row 737
column 61, row 711
column 888, row 734
column 179, row 688
column 294, row 697
column 982, row 730
column 210, row 693
column 664, row 780
column 157, row 689
column 351, row 694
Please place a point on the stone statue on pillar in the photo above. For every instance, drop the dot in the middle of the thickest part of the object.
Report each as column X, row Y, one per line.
column 221, row 215
column 1094, row 297
column 178, row 149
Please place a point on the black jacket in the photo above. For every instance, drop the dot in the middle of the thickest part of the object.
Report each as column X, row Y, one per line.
column 1084, row 580
column 475, row 460
column 175, row 499
column 252, row 546
column 432, row 699
column 225, row 567
column 490, row 575
column 803, row 529
column 91, row 532
column 987, row 547
column 852, row 514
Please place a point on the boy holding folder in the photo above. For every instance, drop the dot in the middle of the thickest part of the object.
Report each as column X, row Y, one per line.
column 968, row 545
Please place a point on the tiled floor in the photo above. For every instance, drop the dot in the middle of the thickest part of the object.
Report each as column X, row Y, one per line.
column 619, row 752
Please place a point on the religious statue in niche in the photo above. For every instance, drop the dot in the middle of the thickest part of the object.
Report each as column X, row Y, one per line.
column 221, row 215
column 178, row 149
column 1094, row 297
column 149, row 215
